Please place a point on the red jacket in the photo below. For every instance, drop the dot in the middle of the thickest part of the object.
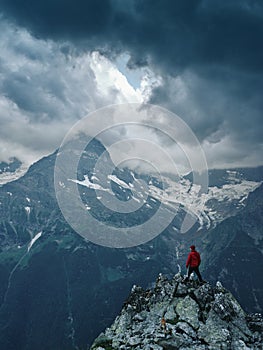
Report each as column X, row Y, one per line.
column 193, row 259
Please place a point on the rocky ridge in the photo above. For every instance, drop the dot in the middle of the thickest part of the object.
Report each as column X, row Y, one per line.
column 174, row 315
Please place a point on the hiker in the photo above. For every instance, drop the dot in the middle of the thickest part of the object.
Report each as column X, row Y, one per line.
column 192, row 263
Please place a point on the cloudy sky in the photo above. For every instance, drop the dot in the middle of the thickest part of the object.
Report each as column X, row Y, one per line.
column 201, row 59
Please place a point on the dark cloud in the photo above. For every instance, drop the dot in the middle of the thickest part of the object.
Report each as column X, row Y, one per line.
column 175, row 34
column 64, row 19
column 224, row 111
column 211, row 102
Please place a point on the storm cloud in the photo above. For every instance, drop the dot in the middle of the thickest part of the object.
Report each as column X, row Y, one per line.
column 208, row 55
column 172, row 33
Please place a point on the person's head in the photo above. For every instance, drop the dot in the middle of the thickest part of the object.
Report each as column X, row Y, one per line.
column 192, row 248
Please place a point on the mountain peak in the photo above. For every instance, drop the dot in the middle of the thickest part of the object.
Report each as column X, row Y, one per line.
column 175, row 315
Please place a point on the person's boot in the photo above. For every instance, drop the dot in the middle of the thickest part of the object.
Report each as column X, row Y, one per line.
column 202, row 282
column 185, row 280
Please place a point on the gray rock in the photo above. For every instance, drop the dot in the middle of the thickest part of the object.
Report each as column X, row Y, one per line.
column 215, row 330
column 139, row 317
column 219, row 288
column 170, row 315
column 188, row 310
column 172, row 344
column 134, row 341
column 195, row 347
column 182, row 290
column 204, row 296
column 183, row 327
column 152, row 347
column 255, row 322
column 101, row 342
column 240, row 345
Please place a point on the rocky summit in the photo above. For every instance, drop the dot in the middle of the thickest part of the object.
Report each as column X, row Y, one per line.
column 176, row 315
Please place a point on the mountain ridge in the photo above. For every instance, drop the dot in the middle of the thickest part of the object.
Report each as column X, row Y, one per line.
column 178, row 315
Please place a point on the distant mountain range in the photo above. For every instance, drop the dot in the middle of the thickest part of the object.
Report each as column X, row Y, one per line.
column 61, row 290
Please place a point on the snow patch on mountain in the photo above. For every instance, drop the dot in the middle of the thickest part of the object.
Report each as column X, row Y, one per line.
column 33, row 240
column 119, row 182
column 28, row 210
column 87, row 183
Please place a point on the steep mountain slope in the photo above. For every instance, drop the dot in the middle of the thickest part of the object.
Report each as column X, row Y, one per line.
column 54, row 284
column 234, row 253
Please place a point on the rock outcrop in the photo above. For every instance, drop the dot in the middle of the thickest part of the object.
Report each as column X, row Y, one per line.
column 174, row 315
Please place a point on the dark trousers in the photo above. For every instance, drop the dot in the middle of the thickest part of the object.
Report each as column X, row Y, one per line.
column 196, row 270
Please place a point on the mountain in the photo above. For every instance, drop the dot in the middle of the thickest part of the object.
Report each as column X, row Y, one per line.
column 61, row 290
column 174, row 315
column 11, row 170
column 10, row 166
column 238, row 259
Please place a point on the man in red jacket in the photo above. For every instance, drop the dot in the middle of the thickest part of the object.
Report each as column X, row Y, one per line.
column 192, row 263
